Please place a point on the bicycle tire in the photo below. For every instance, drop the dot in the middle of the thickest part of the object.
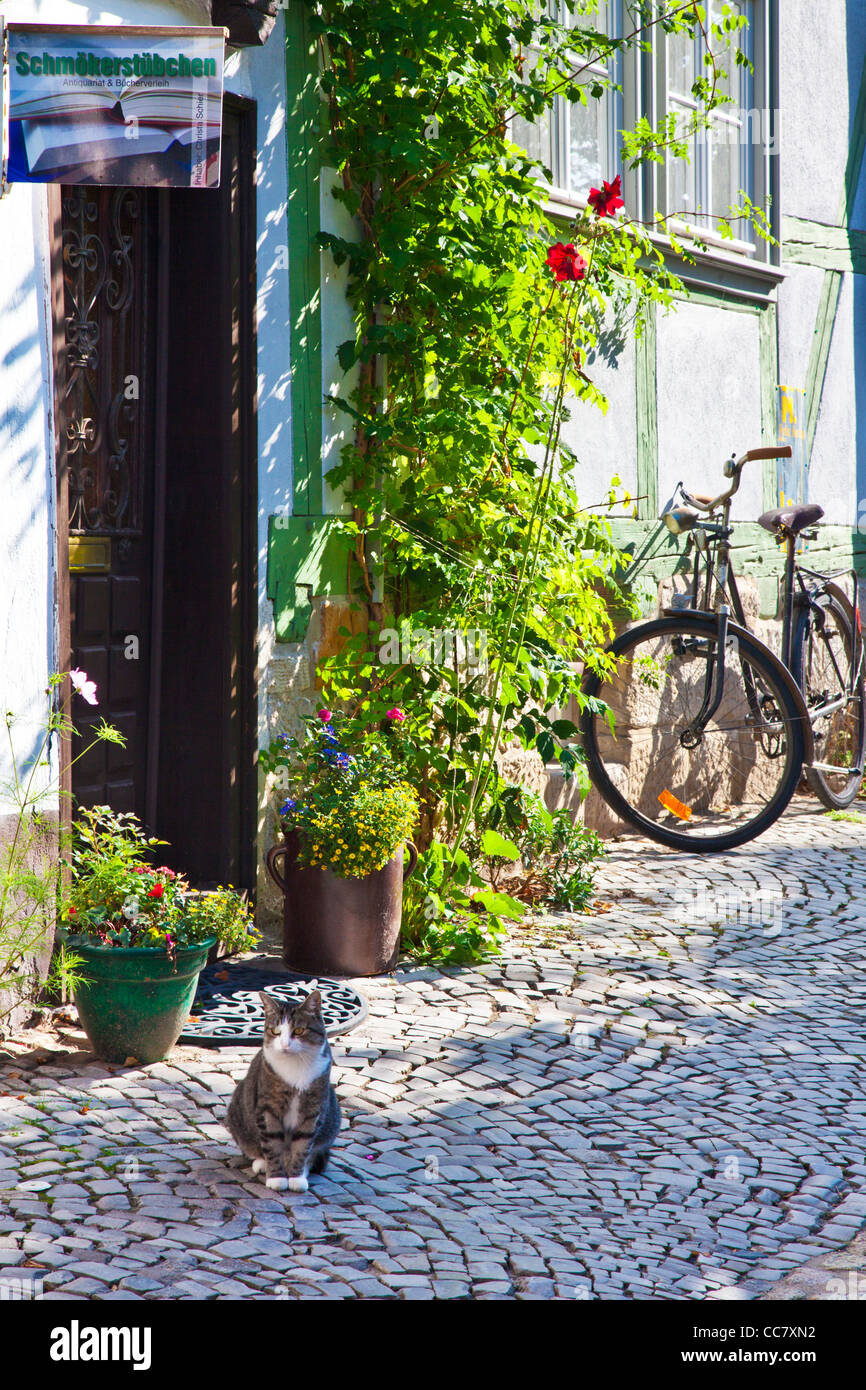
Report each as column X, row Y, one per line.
column 844, row 738
column 704, row 831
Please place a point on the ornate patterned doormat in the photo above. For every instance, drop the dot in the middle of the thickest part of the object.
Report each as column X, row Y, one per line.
column 227, row 1011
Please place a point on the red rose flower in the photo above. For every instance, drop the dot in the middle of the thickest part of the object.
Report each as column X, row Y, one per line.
column 604, row 201
column 565, row 262
column 156, row 891
column 325, row 715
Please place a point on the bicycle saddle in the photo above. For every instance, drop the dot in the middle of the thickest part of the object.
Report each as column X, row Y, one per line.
column 794, row 519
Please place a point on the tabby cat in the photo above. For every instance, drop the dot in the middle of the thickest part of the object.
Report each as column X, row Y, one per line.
column 285, row 1115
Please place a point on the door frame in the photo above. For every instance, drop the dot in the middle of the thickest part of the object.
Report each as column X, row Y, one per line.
column 246, row 113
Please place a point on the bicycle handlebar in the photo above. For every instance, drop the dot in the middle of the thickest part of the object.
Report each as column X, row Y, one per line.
column 733, row 469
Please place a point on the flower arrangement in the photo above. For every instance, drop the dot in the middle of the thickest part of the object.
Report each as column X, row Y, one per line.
column 350, row 809
column 119, row 899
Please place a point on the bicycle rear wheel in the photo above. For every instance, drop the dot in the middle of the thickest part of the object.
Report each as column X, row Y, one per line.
column 706, row 792
column 828, row 668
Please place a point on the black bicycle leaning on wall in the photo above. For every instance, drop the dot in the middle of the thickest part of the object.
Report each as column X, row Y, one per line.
column 699, row 734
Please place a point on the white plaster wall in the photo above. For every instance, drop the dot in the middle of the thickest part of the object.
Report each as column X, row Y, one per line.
column 833, row 470
column 815, row 105
column 799, row 295
column 605, row 443
column 26, row 466
column 709, row 401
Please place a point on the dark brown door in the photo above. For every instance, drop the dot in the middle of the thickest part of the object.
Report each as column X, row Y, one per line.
column 107, row 429
column 157, row 431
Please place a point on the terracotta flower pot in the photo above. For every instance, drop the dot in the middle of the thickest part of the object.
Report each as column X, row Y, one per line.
column 339, row 926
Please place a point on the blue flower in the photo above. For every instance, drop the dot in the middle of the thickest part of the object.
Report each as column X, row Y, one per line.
column 338, row 759
column 288, row 806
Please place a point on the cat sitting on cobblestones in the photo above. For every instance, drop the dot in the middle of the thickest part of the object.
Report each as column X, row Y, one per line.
column 285, row 1115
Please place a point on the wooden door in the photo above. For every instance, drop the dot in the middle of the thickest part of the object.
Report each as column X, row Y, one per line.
column 106, row 440
column 157, row 459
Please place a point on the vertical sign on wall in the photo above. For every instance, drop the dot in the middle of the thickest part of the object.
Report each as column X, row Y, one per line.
column 2, row 106
column 95, row 105
column 792, row 482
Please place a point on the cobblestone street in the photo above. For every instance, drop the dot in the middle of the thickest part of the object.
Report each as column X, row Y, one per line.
column 663, row 1099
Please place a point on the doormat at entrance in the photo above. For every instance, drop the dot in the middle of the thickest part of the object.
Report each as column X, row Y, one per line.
column 228, row 1012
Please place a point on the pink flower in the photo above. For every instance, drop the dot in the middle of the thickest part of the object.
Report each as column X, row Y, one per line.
column 325, row 715
column 86, row 688
column 396, row 715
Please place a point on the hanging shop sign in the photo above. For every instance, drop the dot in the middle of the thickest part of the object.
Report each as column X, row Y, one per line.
column 137, row 106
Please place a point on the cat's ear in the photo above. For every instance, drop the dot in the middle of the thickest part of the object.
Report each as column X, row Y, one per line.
column 313, row 1003
column 271, row 1008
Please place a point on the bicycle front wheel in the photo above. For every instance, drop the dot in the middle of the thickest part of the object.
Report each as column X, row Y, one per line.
column 700, row 785
column 829, row 670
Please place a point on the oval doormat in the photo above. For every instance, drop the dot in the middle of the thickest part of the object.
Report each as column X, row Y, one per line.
column 228, row 1012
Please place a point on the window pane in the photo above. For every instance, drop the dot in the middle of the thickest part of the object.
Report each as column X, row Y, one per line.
column 535, row 137
column 682, row 63
column 735, row 83
column 683, row 195
column 587, row 145
column 725, row 162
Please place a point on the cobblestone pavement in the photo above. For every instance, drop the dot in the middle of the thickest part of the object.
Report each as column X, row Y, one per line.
column 663, row 1099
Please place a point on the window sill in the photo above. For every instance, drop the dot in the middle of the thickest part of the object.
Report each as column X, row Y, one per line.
column 723, row 268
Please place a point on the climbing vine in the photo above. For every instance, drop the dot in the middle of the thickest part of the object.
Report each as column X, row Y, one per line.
column 476, row 317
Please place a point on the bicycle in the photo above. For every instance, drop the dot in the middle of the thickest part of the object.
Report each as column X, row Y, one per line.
column 698, row 734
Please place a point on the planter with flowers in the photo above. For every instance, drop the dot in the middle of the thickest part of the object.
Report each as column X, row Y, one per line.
column 344, row 826
column 141, row 935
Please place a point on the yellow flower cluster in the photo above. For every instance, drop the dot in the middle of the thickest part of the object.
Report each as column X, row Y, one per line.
column 363, row 833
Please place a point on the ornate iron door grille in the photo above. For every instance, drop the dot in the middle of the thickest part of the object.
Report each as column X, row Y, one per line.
column 107, row 272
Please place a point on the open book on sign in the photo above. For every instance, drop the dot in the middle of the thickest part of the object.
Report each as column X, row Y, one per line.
column 66, row 144
column 148, row 105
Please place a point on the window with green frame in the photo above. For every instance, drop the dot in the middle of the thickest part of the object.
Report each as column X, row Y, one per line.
column 579, row 143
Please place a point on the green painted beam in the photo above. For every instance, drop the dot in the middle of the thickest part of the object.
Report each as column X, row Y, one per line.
column 819, row 354
column 303, row 135
column 308, row 557
column 719, row 299
column 646, row 407
column 768, row 359
column 755, row 554
column 828, row 248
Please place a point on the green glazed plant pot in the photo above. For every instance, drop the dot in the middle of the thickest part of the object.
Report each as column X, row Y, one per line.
column 134, row 1004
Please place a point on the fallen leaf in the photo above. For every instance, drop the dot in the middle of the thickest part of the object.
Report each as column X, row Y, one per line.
column 132, row 1062
column 84, row 1109
column 221, row 975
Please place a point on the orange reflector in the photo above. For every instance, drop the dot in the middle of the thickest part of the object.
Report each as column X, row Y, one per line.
column 668, row 800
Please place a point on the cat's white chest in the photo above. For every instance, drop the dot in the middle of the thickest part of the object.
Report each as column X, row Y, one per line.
column 299, row 1070
column 290, row 1119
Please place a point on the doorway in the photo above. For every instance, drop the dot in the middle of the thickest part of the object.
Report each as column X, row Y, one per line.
column 155, row 379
